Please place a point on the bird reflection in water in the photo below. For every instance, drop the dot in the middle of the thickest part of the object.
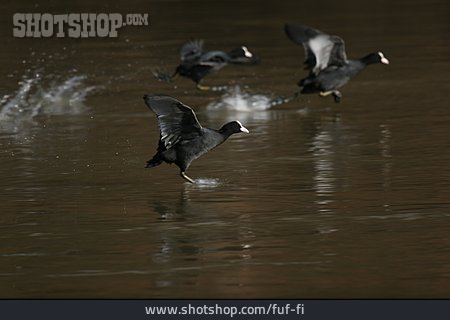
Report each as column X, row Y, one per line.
column 385, row 146
column 324, row 171
column 194, row 235
column 323, row 145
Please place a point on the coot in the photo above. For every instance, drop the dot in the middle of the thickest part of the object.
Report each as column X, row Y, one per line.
column 197, row 63
column 327, row 61
column 182, row 138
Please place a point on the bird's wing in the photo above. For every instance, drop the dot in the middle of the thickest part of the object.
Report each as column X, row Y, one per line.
column 302, row 35
column 321, row 49
column 213, row 58
column 338, row 57
column 191, row 50
column 176, row 120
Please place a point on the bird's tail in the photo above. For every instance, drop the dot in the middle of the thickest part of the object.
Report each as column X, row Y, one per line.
column 155, row 161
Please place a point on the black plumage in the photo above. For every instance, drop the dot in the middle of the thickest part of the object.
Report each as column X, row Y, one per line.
column 327, row 61
column 196, row 63
column 182, row 138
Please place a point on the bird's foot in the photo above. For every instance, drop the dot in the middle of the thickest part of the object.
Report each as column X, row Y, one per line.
column 184, row 176
column 162, row 75
column 337, row 96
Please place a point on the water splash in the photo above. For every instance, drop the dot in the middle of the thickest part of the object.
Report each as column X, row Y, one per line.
column 237, row 100
column 38, row 96
column 205, row 183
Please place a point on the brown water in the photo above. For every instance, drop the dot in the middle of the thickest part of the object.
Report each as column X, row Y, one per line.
column 319, row 201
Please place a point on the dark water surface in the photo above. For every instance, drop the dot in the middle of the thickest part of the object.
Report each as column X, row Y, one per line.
column 319, row 201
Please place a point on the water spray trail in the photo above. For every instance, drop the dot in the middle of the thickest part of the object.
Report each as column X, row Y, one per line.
column 38, row 96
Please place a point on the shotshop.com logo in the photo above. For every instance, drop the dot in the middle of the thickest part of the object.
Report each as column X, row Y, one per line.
column 74, row 25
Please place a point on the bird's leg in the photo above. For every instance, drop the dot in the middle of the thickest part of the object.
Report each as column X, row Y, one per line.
column 325, row 93
column 203, row 88
column 184, row 176
column 337, row 96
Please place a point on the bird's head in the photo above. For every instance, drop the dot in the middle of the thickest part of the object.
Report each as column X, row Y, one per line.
column 233, row 127
column 242, row 55
column 375, row 57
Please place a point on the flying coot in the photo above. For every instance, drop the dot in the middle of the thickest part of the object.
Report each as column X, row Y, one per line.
column 327, row 61
column 197, row 63
column 182, row 138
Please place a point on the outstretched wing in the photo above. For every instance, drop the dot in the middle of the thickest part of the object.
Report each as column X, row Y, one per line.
column 301, row 35
column 214, row 59
column 337, row 57
column 176, row 120
column 191, row 50
column 321, row 49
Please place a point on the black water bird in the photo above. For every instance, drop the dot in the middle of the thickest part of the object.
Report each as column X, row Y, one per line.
column 327, row 61
column 182, row 138
column 197, row 63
